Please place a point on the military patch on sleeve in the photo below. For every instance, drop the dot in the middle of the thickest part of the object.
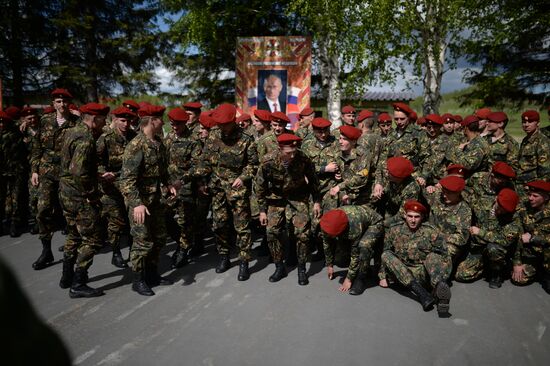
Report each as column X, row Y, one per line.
column 364, row 172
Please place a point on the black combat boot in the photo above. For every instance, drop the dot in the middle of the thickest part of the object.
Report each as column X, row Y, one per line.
column 67, row 275
column 223, row 264
column 46, row 258
column 140, row 286
column 280, row 272
column 495, row 281
column 358, row 286
column 244, row 273
column 426, row 299
column 14, row 230
column 443, row 294
column 153, row 278
column 117, row 259
column 302, row 276
column 180, row 258
column 79, row 288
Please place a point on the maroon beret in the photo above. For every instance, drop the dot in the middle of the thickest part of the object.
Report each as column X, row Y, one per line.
column 73, row 107
column 384, row 117
column 131, row 105
column 413, row 116
column 348, row 109
column 225, row 113
column 530, row 116
column 414, row 205
column 539, row 185
column 279, row 117
column 457, row 169
column 321, row 122
column 13, row 112
column 306, row 111
column 402, row 107
column 123, row 112
column 435, row 118
column 482, row 113
column 501, row 168
column 192, row 105
column 508, row 199
column 468, row 120
column 447, row 117
column 453, row 183
column 206, row 120
column 178, row 115
column 95, row 109
column 243, row 117
column 364, row 114
column 61, row 93
column 288, row 139
column 150, row 110
column 352, row 133
column 400, row 167
column 421, row 121
column 4, row 117
column 497, row 117
column 48, row 109
column 334, row 222
column 457, row 118
column 264, row 116
column 28, row 111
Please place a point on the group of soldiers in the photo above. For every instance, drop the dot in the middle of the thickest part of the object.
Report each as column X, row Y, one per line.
column 418, row 203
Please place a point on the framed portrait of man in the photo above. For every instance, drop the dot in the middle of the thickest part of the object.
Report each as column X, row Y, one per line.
column 272, row 86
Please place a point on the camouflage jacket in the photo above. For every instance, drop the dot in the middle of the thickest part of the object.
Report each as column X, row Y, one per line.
column 533, row 158
column 474, row 156
column 183, row 155
column 357, row 175
column 480, row 196
column 546, row 131
column 536, row 223
column 409, row 143
column 434, row 166
column 275, row 184
column 110, row 152
column 268, row 143
column 503, row 230
column 503, row 149
column 13, row 152
column 395, row 196
column 305, row 133
column 78, row 172
column 226, row 158
column 46, row 149
column 412, row 247
column 322, row 154
column 144, row 170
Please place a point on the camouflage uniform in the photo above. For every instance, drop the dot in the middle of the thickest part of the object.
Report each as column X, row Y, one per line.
column 535, row 255
column 144, row 170
column 268, row 143
column 434, row 167
column 365, row 227
column 226, row 158
column 45, row 161
column 110, row 151
column 305, row 133
column 409, row 143
column 80, row 197
column 415, row 255
column 503, row 149
column 283, row 193
column 533, row 158
column 183, row 154
column 474, row 156
column 480, row 195
column 395, row 195
column 29, row 140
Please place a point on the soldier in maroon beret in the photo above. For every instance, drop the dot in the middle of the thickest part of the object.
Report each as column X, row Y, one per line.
column 348, row 115
column 304, row 129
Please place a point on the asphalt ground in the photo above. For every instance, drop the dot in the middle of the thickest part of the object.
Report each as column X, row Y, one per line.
column 212, row 319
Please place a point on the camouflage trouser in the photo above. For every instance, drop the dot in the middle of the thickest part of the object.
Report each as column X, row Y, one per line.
column 114, row 212
column 10, row 198
column 48, row 206
column 335, row 248
column 295, row 215
column 149, row 237
column 33, row 202
column 534, row 265
column 83, row 235
column 471, row 268
column 186, row 212
column 235, row 206
column 436, row 268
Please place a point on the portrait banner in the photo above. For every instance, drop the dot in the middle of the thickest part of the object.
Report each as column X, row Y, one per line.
column 274, row 74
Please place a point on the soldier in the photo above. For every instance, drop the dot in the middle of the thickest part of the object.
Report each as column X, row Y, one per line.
column 110, row 151
column 434, row 166
column 472, row 154
column 493, row 236
column 193, row 109
column 502, row 147
column 414, row 254
column 268, row 142
column 284, row 183
column 261, row 120
column 80, row 199
column 144, row 170
column 13, row 170
column 183, row 152
column 365, row 121
column 532, row 256
column 384, row 126
column 134, row 107
column 229, row 162
column 304, row 130
column 482, row 115
column 45, row 159
column 533, row 157
column 348, row 115
column 244, row 121
column 358, row 229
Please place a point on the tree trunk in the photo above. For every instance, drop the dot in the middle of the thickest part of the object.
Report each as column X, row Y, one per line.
column 330, row 74
column 435, row 44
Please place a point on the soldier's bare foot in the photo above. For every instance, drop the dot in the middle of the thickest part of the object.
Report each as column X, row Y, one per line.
column 383, row 283
column 346, row 285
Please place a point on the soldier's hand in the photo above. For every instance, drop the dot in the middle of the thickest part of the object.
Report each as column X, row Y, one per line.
column 330, row 272
column 334, row 190
column 474, row 230
column 338, row 176
column 317, row 210
column 462, row 146
column 378, row 191
column 421, row 181
column 34, row 179
column 203, row 189
column 526, row 238
column 23, row 126
column 139, row 214
column 237, row 183
column 383, row 283
column 173, row 190
column 109, row 177
column 263, row 219
column 518, row 273
column 346, row 200
column 346, row 285
column 331, row 167
column 430, row 189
